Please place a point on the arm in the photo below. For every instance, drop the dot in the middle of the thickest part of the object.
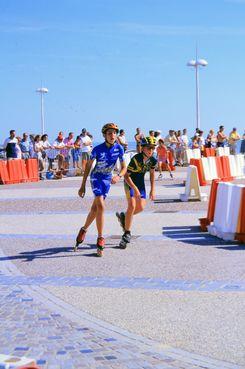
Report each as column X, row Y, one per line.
column 152, row 181
column 82, row 189
column 122, row 172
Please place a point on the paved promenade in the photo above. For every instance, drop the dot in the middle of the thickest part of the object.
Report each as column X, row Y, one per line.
column 173, row 299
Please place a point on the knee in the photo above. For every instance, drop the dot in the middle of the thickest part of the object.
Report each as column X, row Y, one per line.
column 93, row 208
column 141, row 207
column 131, row 207
column 100, row 207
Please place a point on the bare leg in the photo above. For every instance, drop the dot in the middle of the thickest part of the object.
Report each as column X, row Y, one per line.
column 60, row 161
column 160, row 167
column 91, row 215
column 140, row 205
column 84, row 162
column 129, row 213
column 100, row 209
column 135, row 206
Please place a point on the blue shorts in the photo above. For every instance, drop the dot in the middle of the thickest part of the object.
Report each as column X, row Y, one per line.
column 130, row 192
column 100, row 185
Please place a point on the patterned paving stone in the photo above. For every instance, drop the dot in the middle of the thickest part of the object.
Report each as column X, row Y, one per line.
column 132, row 283
column 62, row 341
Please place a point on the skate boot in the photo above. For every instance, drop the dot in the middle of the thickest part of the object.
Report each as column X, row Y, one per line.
column 126, row 238
column 80, row 238
column 121, row 219
column 160, row 176
column 100, row 246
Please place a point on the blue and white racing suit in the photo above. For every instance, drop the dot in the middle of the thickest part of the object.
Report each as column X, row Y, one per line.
column 101, row 175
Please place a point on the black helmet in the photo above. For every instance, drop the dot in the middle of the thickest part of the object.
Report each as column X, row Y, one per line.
column 148, row 141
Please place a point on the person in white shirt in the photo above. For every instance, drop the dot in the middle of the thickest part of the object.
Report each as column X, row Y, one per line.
column 85, row 148
column 121, row 139
column 38, row 149
column 184, row 139
column 10, row 145
column 59, row 146
column 18, row 149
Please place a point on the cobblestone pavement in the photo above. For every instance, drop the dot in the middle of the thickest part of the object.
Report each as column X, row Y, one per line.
column 57, row 339
column 38, row 324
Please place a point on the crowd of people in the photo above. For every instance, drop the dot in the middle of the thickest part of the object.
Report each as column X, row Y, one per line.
column 39, row 147
column 79, row 148
column 152, row 151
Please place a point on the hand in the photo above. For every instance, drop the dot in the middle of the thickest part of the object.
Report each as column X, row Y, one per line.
column 82, row 191
column 152, row 195
column 115, row 179
column 137, row 194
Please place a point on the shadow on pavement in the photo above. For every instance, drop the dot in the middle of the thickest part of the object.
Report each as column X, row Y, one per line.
column 193, row 236
column 54, row 252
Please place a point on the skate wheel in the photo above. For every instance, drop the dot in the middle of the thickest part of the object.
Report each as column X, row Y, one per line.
column 123, row 245
column 99, row 253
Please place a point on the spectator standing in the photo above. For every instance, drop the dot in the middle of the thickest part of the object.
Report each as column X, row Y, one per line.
column 234, row 137
column 221, row 137
column 201, row 141
column 25, row 147
column 178, row 150
column 121, row 139
column 85, row 148
column 17, row 148
column 184, row 144
column 171, row 142
column 184, row 139
column 138, row 137
column 38, row 150
column 162, row 158
column 243, row 144
column 76, row 152
column 211, row 140
column 31, row 139
column 47, row 151
column 10, row 145
column 157, row 135
column 195, row 142
column 58, row 146
column 69, row 144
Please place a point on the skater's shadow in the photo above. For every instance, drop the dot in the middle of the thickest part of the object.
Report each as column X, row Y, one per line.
column 194, row 236
column 54, row 252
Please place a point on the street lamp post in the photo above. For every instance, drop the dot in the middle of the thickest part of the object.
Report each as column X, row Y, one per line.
column 42, row 91
column 196, row 64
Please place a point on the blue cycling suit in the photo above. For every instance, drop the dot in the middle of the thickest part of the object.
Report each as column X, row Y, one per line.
column 101, row 175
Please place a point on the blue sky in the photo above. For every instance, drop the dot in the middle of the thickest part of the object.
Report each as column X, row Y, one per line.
column 123, row 61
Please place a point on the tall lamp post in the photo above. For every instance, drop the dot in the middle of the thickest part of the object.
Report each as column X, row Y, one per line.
column 196, row 64
column 42, row 91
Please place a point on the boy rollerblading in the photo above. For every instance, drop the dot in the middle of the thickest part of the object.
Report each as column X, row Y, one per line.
column 134, row 185
column 106, row 155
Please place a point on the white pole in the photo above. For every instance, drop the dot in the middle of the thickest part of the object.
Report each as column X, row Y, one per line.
column 197, row 99
column 42, row 114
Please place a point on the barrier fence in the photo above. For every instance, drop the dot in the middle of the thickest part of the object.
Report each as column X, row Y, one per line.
column 226, row 211
column 18, row 171
column 219, row 167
